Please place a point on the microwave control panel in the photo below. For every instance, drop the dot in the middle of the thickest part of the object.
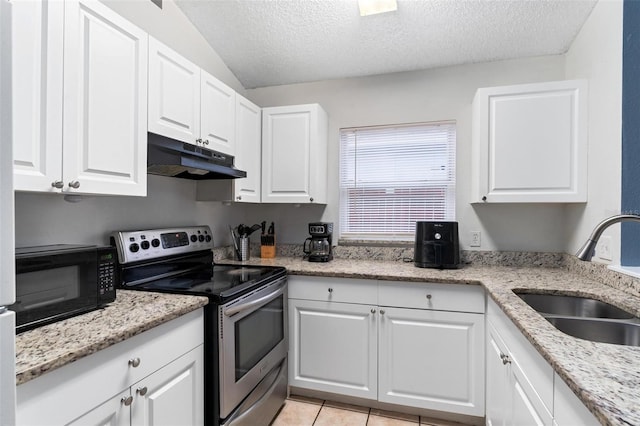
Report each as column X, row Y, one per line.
column 107, row 257
column 134, row 246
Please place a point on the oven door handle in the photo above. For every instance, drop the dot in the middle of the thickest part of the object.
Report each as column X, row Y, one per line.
column 233, row 310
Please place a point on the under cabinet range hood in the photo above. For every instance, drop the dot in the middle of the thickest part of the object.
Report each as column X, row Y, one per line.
column 169, row 157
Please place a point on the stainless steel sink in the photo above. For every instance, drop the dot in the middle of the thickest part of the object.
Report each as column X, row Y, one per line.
column 618, row 333
column 573, row 306
column 586, row 318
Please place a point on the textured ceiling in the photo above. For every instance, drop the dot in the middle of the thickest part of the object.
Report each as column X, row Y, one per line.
column 274, row 42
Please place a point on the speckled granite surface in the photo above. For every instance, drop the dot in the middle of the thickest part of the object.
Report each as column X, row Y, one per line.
column 605, row 377
column 54, row 345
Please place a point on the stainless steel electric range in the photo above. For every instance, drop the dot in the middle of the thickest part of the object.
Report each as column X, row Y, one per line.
column 245, row 321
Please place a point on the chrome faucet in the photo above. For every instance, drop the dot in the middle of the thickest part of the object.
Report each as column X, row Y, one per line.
column 589, row 248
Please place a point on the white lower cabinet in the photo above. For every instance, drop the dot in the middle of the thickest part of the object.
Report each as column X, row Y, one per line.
column 154, row 378
column 568, row 410
column 344, row 340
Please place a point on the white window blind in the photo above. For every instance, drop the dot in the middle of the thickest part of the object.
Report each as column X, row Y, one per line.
column 393, row 176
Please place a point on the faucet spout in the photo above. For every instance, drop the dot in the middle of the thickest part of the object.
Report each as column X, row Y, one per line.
column 589, row 248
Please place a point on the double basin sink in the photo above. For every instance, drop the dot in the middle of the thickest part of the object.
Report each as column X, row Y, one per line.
column 586, row 318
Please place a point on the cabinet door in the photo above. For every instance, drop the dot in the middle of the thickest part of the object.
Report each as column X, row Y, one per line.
column 527, row 407
column 432, row 360
column 333, row 347
column 174, row 94
column 113, row 412
column 498, row 392
column 173, row 395
column 217, row 114
column 294, row 157
column 37, row 38
column 105, row 102
column 530, row 142
column 248, row 150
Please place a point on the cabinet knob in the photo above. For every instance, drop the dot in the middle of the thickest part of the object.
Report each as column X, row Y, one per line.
column 134, row 362
column 373, row 311
column 142, row 391
column 484, row 198
column 239, row 197
column 381, row 311
column 429, row 296
column 205, row 142
column 57, row 184
column 127, row 400
column 74, row 184
column 311, row 199
column 198, row 141
column 330, row 290
column 505, row 359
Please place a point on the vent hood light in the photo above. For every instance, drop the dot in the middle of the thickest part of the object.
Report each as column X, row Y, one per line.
column 372, row 7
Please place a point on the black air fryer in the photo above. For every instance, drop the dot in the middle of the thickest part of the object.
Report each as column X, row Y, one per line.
column 436, row 245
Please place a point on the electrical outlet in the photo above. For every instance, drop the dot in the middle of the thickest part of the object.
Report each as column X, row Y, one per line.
column 604, row 248
column 475, row 239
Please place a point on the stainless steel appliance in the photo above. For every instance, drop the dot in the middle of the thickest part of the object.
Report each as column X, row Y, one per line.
column 246, row 336
column 317, row 248
column 59, row 281
column 436, row 245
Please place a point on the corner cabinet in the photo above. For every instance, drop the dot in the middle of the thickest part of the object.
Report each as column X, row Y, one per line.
column 408, row 344
column 80, row 118
column 156, row 377
column 188, row 104
column 294, row 154
column 530, row 143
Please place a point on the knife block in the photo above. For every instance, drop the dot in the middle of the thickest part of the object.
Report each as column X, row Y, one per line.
column 268, row 246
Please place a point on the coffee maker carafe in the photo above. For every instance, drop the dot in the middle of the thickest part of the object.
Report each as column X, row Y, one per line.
column 317, row 248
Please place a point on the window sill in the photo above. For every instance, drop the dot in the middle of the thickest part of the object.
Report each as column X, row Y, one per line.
column 373, row 243
column 633, row 271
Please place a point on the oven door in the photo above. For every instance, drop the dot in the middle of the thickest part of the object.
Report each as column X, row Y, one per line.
column 252, row 341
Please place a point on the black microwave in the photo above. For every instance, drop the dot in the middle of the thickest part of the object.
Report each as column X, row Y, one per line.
column 60, row 281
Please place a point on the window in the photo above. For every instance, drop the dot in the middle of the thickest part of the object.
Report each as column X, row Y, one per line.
column 393, row 176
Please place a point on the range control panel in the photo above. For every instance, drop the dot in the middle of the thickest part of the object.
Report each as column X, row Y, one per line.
column 134, row 246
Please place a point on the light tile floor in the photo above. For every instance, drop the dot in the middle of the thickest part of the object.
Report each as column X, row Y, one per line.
column 302, row 411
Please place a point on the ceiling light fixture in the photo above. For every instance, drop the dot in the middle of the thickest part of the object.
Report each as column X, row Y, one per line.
column 372, row 7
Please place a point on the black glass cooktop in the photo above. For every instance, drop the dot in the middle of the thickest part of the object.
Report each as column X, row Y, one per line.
column 197, row 275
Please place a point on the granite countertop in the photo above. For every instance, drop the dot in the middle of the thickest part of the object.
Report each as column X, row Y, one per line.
column 55, row 345
column 605, row 377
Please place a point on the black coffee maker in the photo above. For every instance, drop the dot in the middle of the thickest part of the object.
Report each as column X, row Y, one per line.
column 317, row 248
column 436, row 245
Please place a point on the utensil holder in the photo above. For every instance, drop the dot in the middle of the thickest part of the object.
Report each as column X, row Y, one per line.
column 243, row 248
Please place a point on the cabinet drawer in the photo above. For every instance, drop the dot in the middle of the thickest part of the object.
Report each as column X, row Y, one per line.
column 347, row 290
column 441, row 297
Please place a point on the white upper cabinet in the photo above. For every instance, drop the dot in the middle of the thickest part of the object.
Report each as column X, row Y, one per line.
column 80, row 114
column 105, row 101
column 248, row 150
column 530, row 143
column 217, row 114
column 188, row 104
column 174, row 94
column 37, row 34
column 294, row 154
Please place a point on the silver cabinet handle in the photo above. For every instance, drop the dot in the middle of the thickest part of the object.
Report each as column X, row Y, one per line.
column 142, row 391
column 57, row 184
column 429, row 296
column 198, row 141
column 373, row 311
column 239, row 197
column 311, row 199
column 505, row 359
column 205, row 142
column 135, row 362
column 330, row 290
column 381, row 311
column 127, row 400
column 74, row 184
